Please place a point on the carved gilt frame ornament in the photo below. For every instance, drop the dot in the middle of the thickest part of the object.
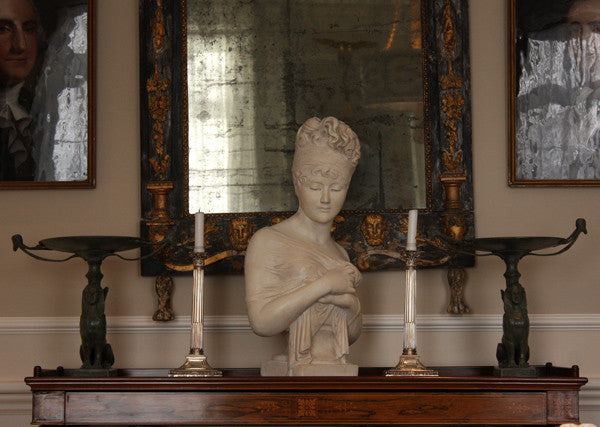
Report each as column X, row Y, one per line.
column 372, row 238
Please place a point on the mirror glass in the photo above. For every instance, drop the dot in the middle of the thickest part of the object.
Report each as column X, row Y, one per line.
column 257, row 70
column 45, row 94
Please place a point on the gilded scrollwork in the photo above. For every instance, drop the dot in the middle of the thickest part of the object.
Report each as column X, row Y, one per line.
column 159, row 101
column 453, row 101
column 453, row 220
column 159, row 222
column 158, row 28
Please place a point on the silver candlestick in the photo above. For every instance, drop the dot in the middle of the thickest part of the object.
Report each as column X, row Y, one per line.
column 196, row 364
column 409, row 364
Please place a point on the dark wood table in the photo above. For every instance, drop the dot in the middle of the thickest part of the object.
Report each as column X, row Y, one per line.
column 460, row 395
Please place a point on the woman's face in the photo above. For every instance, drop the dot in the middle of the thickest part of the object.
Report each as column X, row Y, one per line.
column 321, row 191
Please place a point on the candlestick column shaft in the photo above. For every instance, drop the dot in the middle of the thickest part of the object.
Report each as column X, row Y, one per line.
column 196, row 364
column 197, row 334
column 409, row 364
column 410, row 333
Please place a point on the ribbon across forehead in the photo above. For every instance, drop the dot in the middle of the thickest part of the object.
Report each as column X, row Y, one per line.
column 329, row 145
column 322, row 161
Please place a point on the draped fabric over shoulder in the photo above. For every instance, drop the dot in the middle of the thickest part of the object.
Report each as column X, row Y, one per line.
column 281, row 274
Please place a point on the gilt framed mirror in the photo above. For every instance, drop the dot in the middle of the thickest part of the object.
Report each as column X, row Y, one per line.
column 47, row 127
column 226, row 84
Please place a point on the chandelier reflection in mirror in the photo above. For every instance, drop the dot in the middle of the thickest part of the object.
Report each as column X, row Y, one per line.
column 256, row 70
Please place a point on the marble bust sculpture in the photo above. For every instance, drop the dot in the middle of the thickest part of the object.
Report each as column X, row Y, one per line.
column 299, row 281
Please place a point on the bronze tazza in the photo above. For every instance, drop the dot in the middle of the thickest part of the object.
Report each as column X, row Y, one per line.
column 371, row 237
column 513, row 352
column 95, row 352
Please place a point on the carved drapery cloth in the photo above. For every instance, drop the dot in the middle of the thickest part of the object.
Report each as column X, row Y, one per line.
column 282, row 274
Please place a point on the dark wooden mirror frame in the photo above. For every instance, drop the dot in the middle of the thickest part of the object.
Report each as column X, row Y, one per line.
column 513, row 69
column 163, row 99
column 90, row 181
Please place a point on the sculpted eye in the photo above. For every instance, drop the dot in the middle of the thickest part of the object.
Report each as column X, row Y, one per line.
column 337, row 187
column 314, row 185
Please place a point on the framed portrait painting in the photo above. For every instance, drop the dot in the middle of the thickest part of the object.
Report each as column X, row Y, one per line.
column 554, row 66
column 46, row 94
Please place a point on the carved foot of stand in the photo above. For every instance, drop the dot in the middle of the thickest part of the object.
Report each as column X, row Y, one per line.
column 164, row 289
column 195, row 365
column 410, row 366
column 457, row 278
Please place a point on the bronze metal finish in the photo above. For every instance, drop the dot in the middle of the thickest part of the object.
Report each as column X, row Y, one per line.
column 95, row 352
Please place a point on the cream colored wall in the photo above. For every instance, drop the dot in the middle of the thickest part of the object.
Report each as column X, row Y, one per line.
column 40, row 302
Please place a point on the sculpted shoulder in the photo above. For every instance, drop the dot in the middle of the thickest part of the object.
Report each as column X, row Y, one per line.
column 263, row 240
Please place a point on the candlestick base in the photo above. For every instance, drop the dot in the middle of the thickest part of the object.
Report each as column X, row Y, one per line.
column 195, row 365
column 410, row 366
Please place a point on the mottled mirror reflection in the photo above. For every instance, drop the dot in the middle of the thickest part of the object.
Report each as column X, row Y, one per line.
column 257, row 70
column 558, row 89
column 43, row 90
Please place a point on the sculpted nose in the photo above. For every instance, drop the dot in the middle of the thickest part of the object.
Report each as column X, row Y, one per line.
column 325, row 196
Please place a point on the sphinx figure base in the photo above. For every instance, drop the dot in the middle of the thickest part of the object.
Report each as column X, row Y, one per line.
column 528, row 371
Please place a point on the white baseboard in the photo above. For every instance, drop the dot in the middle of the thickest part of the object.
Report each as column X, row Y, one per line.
column 239, row 323
column 589, row 398
column 15, row 398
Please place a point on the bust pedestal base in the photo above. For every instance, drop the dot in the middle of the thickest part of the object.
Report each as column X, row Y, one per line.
column 278, row 367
